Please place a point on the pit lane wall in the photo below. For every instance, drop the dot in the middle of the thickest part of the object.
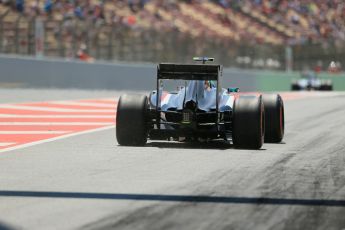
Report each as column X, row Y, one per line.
column 28, row 72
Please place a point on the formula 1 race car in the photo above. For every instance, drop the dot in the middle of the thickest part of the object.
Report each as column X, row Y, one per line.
column 309, row 81
column 199, row 110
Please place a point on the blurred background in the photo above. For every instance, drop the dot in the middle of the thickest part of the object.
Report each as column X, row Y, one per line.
column 279, row 37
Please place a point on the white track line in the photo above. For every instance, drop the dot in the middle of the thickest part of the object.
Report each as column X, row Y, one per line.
column 33, row 132
column 84, row 104
column 38, row 108
column 55, row 138
column 55, row 116
column 58, row 123
column 3, row 144
column 102, row 99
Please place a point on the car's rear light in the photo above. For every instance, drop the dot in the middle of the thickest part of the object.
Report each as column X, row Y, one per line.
column 187, row 116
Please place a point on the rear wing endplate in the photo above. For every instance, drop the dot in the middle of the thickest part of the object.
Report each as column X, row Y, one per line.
column 189, row 72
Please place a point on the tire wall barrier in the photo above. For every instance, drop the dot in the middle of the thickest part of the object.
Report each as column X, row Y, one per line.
column 28, row 72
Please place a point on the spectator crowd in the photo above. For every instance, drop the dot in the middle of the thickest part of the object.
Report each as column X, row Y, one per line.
column 139, row 29
column 315, row 20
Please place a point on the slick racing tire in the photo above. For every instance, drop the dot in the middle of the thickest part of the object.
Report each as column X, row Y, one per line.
column 131, row 120
column 274, row 118
column 295, row 87
column 329, row 87
column 248, row 122
column 324, row 87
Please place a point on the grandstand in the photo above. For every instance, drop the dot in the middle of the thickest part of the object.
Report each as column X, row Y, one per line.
column 149, row 30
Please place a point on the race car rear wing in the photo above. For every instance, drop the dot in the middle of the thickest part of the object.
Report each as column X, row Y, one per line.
column 166, row 71
column 189, row 72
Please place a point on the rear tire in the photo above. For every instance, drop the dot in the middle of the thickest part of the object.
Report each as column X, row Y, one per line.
column 274, row 118
column 330, row 87
column 324, row 87
column 248, row 122
column 295, row 87
column 131, row 120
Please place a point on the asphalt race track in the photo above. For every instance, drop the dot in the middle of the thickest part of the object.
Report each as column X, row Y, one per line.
column 87, row 181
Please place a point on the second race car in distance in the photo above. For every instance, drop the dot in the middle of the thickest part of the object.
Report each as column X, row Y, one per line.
column 309, row 81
